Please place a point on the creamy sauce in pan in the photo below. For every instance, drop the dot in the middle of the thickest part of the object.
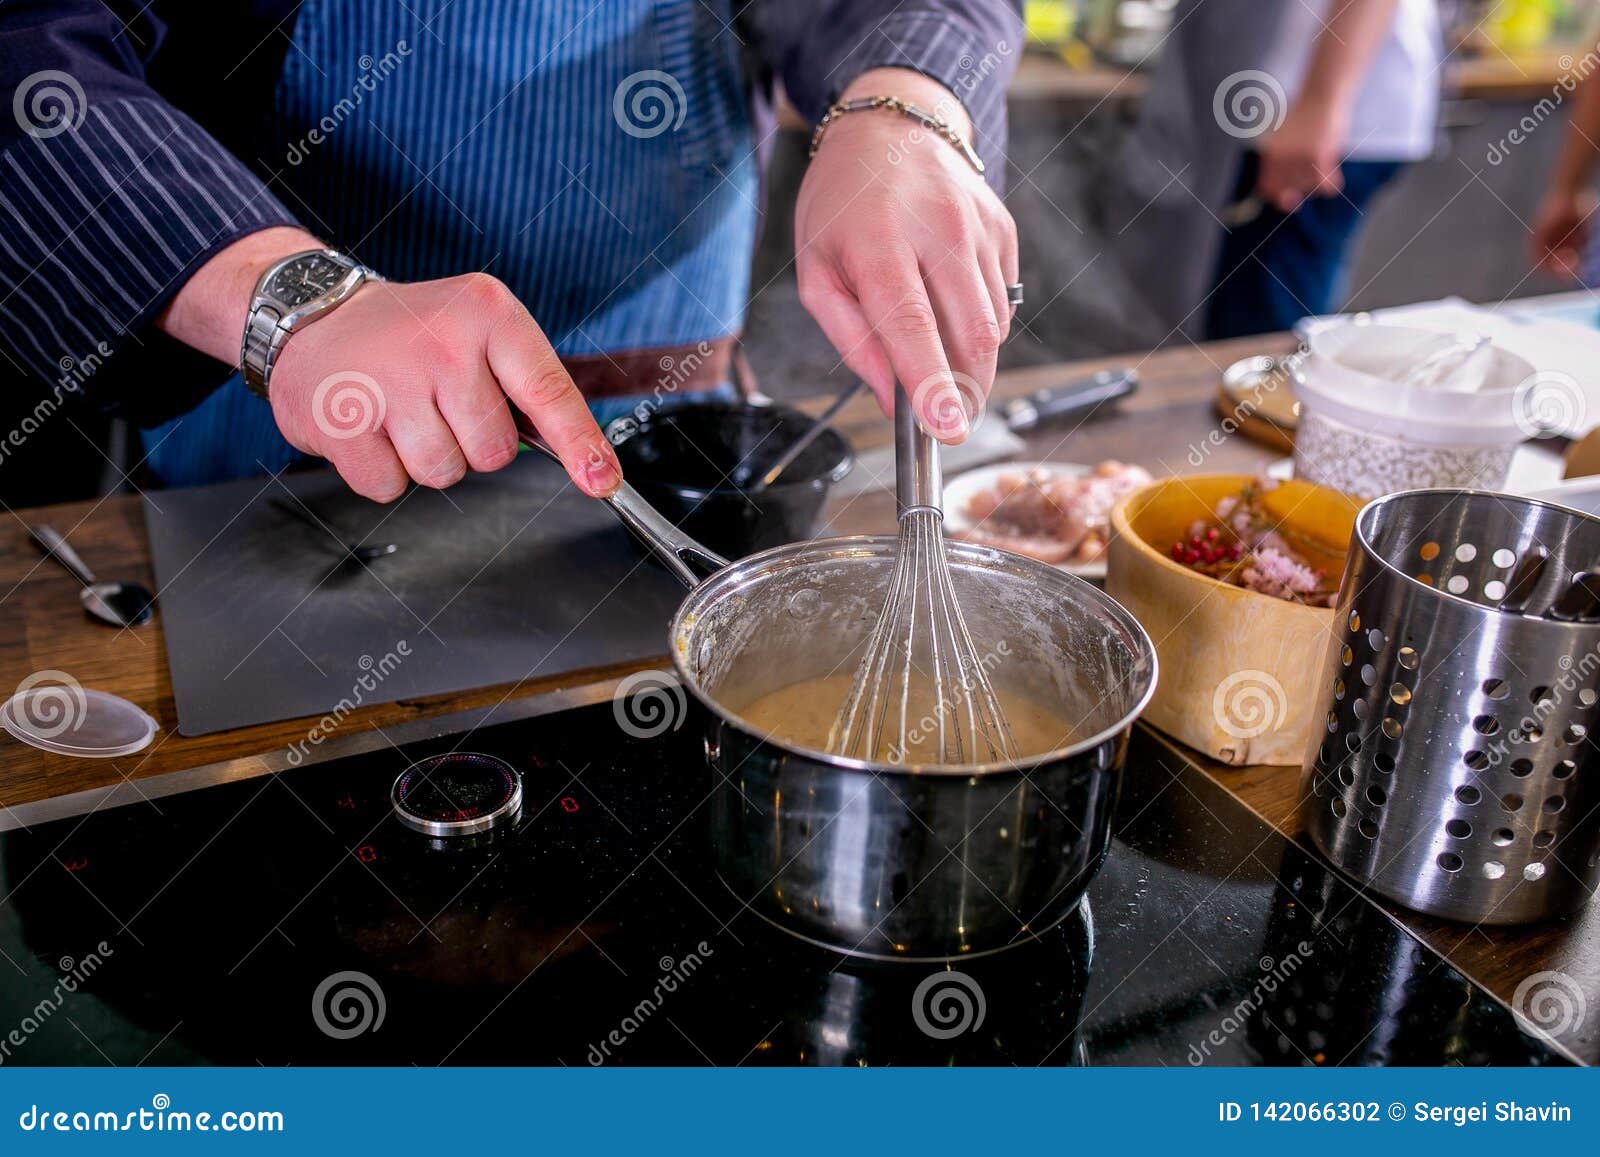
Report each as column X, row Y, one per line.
column 803, row 713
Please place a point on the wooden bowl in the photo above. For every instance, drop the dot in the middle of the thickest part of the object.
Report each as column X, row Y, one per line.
column 1239, row 670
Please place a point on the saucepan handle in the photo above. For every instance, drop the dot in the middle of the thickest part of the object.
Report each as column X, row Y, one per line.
column 682, row 555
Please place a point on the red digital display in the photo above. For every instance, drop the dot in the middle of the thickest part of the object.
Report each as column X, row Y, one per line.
column 366, row 853
column 568, row 804
column 76, row 863
column 348, row 802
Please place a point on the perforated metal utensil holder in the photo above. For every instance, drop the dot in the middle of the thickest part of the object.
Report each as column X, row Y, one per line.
column 1457, row 772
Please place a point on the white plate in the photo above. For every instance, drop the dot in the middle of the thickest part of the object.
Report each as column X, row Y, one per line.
column 958, row 491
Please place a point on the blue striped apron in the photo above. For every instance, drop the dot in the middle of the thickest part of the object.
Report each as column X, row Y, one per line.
column 596, row 157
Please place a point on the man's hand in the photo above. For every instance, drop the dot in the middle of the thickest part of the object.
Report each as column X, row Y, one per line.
column 1300, row 159
column 1561, row 232
column 402, row 381
column 903, row 254
column 411, row 380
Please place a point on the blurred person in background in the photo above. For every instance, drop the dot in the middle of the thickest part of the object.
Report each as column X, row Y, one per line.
column 479, row 204
column 1362, row 78
column 1564, row 238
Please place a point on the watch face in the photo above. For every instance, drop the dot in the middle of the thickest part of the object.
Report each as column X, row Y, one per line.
column 305, row 279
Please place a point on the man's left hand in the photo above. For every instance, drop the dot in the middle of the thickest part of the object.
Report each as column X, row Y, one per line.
column 903, row 254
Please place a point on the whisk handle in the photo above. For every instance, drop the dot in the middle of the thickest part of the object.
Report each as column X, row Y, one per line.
column 918, row 481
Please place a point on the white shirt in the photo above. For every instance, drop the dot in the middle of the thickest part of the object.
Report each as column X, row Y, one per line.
column 1396, row 111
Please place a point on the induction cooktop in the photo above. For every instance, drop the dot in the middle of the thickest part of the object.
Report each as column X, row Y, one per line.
column 557, row 907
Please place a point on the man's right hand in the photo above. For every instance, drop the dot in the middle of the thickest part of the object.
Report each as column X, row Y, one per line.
column 403, row 380
column 411, row 381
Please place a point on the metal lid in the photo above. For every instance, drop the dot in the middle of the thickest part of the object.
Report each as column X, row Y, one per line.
column 459, row 793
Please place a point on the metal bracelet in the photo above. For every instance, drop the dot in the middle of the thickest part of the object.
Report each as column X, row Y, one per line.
column 928, row 120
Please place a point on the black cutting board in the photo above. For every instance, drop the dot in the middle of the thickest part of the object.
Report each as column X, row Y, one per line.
column 505, row 576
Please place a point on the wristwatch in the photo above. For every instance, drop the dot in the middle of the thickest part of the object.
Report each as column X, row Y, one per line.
column 290, row 295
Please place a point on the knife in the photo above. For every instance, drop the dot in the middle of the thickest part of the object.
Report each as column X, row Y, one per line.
column 998, row 441
column 1054, row 403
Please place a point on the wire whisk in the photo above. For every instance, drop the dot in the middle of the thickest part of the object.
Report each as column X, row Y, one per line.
column 922, row 693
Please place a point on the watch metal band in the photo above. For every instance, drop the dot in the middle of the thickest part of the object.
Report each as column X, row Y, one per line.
column 259, row 348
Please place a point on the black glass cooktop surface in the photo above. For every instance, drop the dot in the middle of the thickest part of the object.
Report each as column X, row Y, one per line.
column 292, row 919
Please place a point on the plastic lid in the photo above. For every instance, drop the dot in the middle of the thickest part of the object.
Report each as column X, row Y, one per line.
column 52, row 712
column 1340, row 379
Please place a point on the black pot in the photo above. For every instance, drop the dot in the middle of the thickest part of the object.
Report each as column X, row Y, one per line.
column 693, row 463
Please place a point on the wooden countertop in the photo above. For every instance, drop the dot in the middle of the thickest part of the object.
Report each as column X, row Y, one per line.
column 1493, row 75
column 1043, row 76
column 1172, row 412
column 46, row 628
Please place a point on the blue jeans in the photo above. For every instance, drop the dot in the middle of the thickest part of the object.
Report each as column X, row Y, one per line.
column 1279, row 268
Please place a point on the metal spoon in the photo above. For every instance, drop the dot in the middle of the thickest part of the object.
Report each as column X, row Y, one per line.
column 360, row 552
column 798, row 446
column 119, row 604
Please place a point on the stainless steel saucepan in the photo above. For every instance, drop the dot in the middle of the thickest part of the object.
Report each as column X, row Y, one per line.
column 892, row 861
